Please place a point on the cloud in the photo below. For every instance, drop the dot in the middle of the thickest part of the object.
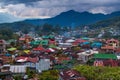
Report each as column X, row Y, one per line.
column 6, row 2
column 50, row 8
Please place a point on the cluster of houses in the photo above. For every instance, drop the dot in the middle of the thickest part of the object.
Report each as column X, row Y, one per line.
column 56, row 52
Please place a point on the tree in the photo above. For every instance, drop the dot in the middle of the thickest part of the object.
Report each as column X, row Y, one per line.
column 49, row 75
column 30, row 73
column 98, row 73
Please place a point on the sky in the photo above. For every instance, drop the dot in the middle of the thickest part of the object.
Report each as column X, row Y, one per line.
column 51, row 8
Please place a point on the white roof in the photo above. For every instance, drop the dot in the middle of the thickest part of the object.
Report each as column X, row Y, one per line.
column 52, row 50
column 18, row 68
column 22, row 60
column 70, row 41
column 118, row 57
column 65, row 43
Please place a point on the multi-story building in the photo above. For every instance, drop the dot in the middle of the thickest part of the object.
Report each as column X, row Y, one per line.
column 2, row 46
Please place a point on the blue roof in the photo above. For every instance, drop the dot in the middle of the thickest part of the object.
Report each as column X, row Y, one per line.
column 85, row 43
column 7, row 54
column 85, row 38
column 96, row 44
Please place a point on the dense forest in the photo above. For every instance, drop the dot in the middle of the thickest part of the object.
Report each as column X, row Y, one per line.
column 99, row 73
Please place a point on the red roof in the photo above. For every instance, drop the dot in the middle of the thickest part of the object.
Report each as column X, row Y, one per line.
column 39, row 49
column 80, row 40
column 47, row 50
column 108, row 47
column 20, row 57
column 35, row 59
column 76, row 42
column 118, row 50
column 52, row 42
column 71, row 75
column 61, row 59
column 110, row 63
column 112, row 40
column 21, row 39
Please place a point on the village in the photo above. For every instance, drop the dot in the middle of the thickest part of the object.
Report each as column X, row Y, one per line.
column 36, row 54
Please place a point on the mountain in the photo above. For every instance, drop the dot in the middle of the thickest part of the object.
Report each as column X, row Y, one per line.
column 8, row 18
column 73, row 18
column 108, row 23
column 69, row 18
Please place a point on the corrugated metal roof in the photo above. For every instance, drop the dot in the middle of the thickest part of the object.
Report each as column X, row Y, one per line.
column 105, row 56
column 18, row 68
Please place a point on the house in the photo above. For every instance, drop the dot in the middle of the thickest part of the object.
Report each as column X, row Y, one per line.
column 96, row 45
column 38, row 50
column 59, row 60
column 85, row 45
column 2, row 46
column 70, row 41
column 43, row 64
column 110, row 62
column 113, row 42
column 64, row 45
column 53, row 42
column 78, row 41
column 50, row 50
column 1, row 62
column 110, row 46
column 21, row 69
column 38, row 64
column 106, row 62
column 25, row 38
column 117, row 52
column 86, row 55
column 44, row 42
column 12, row 50
column 102, row 56
column 108, row 49
column 6, row 59
column 70, row 75
column 5, row 73
column 34, row 43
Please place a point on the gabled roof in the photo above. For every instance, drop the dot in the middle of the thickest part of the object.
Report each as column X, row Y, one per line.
column 27, row 59
column 44, row 42
column 112, row 40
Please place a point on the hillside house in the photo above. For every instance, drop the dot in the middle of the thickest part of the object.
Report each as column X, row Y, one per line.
column 2, row 46
column 86, row 55
column 70, row 75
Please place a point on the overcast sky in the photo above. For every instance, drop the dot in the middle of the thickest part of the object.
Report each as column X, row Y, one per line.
column 50, row 8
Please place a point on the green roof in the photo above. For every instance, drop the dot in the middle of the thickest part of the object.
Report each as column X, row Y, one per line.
column 39, row 42
column 51, row 36
column 12, row 49
column 45, row 37
column 52, row 46
column 48, row 36
column 105, row 56
column 35, row 42
column 44, row 42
